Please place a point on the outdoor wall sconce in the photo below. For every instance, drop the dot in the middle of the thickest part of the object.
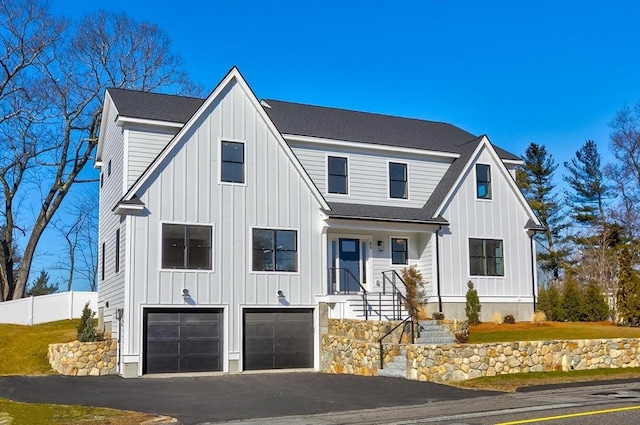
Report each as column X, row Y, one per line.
column 185, row 293
column 380, row 246
column 280, row 295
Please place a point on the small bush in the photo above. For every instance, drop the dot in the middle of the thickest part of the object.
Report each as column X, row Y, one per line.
column 461, row 331
column 539, row 317
column 438, row 315
column 509, row 319
column 497, row 318
column 86, row 331
column 473, row 307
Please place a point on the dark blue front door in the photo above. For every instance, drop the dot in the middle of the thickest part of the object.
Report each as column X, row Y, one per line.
column 349, row 265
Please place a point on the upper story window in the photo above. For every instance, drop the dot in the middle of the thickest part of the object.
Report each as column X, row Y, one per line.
column 399, row 251
column 338, row 175
column 275, row 250
column 483, row 181
column 232, row 162
column 486, row 257
column 186, row 247
column 398, row 180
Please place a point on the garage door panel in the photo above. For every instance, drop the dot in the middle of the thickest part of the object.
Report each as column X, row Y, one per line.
column 181, row 340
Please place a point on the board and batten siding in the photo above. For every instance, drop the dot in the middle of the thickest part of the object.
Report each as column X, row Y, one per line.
column 111, row 289
column 368, row 173
column 185, row 188
column 143, row 146
column 502, row 217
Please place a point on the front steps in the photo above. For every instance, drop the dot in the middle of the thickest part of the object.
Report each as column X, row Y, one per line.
column 431, row 333
column 380, row 307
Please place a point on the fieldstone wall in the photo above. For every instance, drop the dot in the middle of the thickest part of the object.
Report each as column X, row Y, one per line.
column 459, row 362
column 351, row 346
column 84, row 358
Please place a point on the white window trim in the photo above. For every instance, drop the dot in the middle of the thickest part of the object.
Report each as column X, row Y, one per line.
column 408, row 239
column 187, row 223
column 408, row 198
column 326, row 174
column 504, row 251
column 250, row 248
column 475, row 182
column 219, row 162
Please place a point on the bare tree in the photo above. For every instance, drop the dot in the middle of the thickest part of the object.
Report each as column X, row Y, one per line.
column 55, row 75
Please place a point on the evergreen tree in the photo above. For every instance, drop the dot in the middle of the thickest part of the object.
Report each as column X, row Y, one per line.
column 572, row 300
column 586, row 181
column 473, row 307
column 535, row 180
column 555, row 304
column 596, row 308
column 628, row 295
column 40, row 285
column 543, row 301
column 86, row 329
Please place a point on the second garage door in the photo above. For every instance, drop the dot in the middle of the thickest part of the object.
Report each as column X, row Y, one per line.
column 278, row 338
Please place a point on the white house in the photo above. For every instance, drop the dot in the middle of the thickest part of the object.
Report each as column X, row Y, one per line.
column 227, row 224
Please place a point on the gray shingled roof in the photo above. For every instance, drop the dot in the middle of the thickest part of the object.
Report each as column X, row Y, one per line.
column 154, row 106
column 381, row 213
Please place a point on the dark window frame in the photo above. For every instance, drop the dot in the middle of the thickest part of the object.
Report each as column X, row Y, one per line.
column 228, row 160
column 109, row 168
column 394, row 182
column 189, row 254
column 486, row 257
column 102, row 265
column 405, row 252
column 117, row 253
column 267, row 258
column 333, row 176
column 483, row 183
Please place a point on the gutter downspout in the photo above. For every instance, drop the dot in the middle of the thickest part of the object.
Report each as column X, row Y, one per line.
column 532, row 234
column 438, row 269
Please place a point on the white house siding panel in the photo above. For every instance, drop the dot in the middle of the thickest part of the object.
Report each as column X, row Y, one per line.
column 111, row 288
column 186, row 189
column 425, row 261
column 503, row 217
column 368, row 173
column 144, row 144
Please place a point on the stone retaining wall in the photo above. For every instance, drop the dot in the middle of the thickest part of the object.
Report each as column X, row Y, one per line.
column 84, row 358
column 459, row 362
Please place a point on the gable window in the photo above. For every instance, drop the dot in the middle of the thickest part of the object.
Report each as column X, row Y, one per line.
column 186, row 247
column 232, row 165
column 117, row 259
column 398, row 180
column 483, row 181
column 399, row 251
column 486, row 257
column 337, row 167
column 275, row 250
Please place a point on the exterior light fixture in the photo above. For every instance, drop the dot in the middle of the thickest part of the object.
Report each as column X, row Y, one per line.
column 380, row 246
column 185, row 293
column 280, row 295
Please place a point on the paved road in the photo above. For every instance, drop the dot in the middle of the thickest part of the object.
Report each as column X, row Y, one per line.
column 198, row 400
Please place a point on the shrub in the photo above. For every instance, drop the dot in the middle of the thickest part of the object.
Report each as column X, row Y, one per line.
column 472, row 309
column 539, row 317
column 628, row 294
column 572, row 303
column 461, row 333
column 596, row 308
column 497, row 318
column 412, row 279
column 86, row 331
column 438, row 315
column 509, row 319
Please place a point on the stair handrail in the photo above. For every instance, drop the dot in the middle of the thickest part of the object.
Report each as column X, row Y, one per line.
column 332, row 289
column 380, row 344
column 413, row 310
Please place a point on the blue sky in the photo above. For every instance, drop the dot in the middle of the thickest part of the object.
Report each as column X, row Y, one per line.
column 551, row 72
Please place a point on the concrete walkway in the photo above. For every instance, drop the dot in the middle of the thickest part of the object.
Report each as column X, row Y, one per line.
column 197, row 400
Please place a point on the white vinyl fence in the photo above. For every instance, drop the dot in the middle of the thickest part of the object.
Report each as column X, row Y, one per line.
column 47, row 308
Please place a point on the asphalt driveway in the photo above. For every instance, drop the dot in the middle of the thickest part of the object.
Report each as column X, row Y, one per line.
column 194, row 400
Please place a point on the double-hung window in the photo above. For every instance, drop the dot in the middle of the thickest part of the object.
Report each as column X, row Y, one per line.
column 483, row 181
column 398, row 180
column 186, row 247
column 486, row 257
column 275, row 250
column 399, row 251
column 337, row 174
column 232, row 162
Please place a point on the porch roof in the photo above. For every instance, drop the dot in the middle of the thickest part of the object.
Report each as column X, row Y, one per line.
column 381, row 213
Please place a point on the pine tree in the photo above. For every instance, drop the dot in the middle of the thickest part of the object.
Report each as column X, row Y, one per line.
column 572, row 300
column 555, row 304
column 535, row 179
column 596, row 308
column 473, row 307
column 40, row 285
column 86, row 329
column 628, row 295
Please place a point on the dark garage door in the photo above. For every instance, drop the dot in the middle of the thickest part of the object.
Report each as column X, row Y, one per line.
column 278, row 338
column 180, row 340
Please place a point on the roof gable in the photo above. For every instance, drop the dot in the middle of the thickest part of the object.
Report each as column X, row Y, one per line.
column 154, row 106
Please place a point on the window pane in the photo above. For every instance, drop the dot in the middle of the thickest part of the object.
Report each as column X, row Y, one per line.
column 398, row 258
column 199, row 248
column 286, row 261
column 398, row 251
column 286, row 239
column 397, row 189
column 337, row 184
column 262, row 239
column 482, row 172
column 173, row 246
column 262, row 260
column 232, row 152
column 348, row 246
column 398, row 171
column 477, row 266
column 337, row 166
column 398, row 244
column 483, row 181
column 232, row 172
column 476, row 248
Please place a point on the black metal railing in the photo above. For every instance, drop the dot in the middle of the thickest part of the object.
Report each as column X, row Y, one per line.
column 343, row 281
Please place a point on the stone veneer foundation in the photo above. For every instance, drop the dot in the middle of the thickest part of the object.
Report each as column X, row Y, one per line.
column 84, row 358
column 351, row 347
